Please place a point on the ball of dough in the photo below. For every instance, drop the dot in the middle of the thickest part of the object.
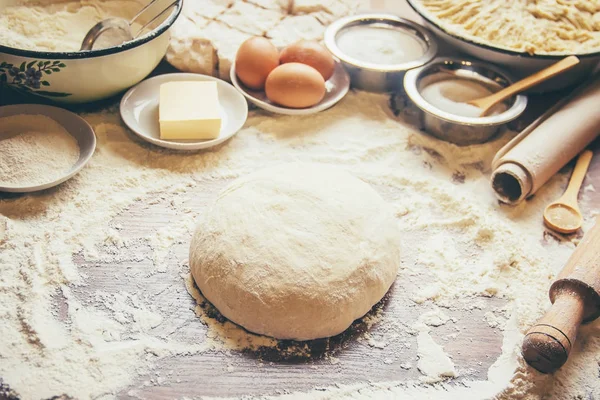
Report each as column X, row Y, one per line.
column 297, row 251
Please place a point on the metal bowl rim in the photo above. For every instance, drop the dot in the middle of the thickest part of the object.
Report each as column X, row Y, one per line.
column 72, row 55
column 342, row 23
column 410, row 87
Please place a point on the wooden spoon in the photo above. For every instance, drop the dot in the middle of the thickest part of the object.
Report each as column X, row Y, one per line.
column 564, row 215
column 486, row 103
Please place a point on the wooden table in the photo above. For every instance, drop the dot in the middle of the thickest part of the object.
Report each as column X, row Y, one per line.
column 347, row 358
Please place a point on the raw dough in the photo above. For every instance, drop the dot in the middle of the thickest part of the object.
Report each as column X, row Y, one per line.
column 251, row 19
column 294, row 28
column 297, row 251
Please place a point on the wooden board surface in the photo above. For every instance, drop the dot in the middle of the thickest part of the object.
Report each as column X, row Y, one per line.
column 345, row 359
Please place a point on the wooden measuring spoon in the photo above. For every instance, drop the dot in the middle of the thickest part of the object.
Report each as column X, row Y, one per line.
column 486, row 103
column 564, row 215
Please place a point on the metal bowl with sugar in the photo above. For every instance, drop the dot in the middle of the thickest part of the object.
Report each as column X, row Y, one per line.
column 461, row 130
column 378, row 49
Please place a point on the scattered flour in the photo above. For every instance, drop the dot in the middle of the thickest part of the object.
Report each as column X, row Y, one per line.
column 493, row 320
column 433, row 362
column 435, row 317
column 34, row 150
column 95, row 287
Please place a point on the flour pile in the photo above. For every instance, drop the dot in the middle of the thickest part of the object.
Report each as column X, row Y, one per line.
column 95, row 284
column 40, row 154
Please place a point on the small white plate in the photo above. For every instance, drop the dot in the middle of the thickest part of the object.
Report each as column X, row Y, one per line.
column 73, row 124
column 139, row 110
column 336, row 88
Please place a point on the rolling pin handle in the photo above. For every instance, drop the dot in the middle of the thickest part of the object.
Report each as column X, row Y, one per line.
column 547, row 345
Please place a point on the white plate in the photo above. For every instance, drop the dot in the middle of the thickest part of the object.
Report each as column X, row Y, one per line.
column 336, row 88
column 139, row 110
column 73, row 124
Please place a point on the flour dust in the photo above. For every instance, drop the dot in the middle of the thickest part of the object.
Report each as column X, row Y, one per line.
column 97, row 302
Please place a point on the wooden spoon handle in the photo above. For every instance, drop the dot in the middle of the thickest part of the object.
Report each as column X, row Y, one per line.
column 526, row 83
column 577, row 177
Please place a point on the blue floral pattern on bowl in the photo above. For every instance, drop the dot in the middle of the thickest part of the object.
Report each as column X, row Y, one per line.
column 28, row 77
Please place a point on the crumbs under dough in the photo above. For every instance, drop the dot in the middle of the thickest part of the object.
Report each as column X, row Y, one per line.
column 57, row 26
column 536, row 27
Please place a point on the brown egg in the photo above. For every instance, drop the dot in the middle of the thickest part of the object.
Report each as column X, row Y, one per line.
column 309, row 53
column 254, row 60
column 295, row 85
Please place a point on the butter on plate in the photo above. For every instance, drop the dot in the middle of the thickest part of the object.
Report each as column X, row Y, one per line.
column 189, row 110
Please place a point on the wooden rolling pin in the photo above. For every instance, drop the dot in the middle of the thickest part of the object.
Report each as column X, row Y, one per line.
column 575, row 297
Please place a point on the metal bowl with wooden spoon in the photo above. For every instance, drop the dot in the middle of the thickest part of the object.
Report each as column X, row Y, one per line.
column 488, row 102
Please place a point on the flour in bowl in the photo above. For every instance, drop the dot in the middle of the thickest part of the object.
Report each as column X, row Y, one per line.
column 380, row 45
column 57, row 26
column 42, row 152
column 453, row 95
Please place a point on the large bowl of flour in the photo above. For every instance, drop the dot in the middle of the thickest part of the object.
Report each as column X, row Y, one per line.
column 40, row 41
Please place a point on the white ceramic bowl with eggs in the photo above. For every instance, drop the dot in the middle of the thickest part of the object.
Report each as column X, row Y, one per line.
column 85, row 76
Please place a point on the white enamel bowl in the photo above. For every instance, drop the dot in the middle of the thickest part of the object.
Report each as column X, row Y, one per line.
column 79, row 77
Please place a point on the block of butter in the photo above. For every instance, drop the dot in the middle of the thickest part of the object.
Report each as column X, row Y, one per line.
column 189, row 110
